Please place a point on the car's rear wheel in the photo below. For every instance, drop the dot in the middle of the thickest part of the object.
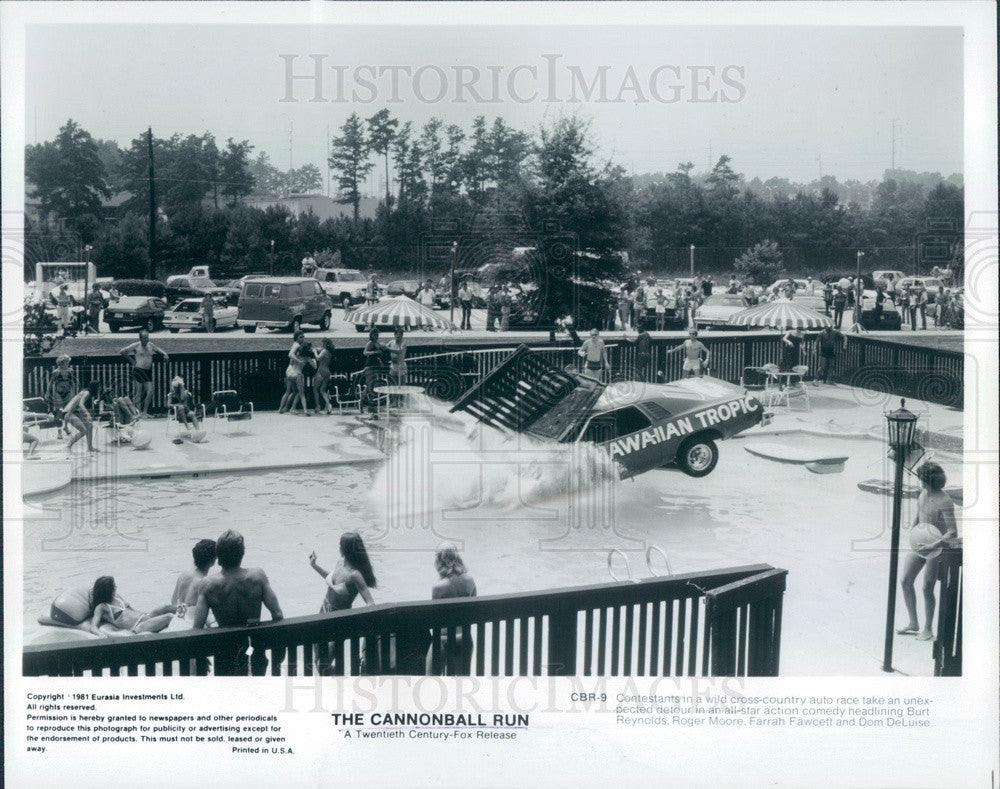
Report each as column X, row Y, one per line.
column 697, row 456
column 249, row 329
column 359, row 326
column 150, row 325
column 115, row 328
column 345, row 301
column 296, row 325
column 174, row 331
column 324, row 323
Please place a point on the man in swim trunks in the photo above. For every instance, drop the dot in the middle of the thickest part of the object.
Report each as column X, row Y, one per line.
column 693, row 349
column 189, row 582
column 235, row 597
column 594, row 354
column 141, row 355
column 826, row 346
column 63, row 385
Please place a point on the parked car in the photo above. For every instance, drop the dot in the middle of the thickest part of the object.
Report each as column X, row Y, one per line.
column 139, row 287
column 187, row 315
column 283, row 303
column 344, row 286
column 716, row 310
column 185, row 286
column 676, row 423
column 931, row 284
column 143, row 311
column 669, row 288
column 403, row 287
column 801, row 285
column 881, row 277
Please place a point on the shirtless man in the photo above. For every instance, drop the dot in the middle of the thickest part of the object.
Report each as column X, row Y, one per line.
column 594, row 354
column 141, row 355
column 693, row 348
column 234, row 597
column 189, row 582
column 935, row 507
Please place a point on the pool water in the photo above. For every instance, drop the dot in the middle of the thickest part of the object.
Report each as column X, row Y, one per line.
column 526, row 516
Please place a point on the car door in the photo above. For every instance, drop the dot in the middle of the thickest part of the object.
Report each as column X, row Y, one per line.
column 628, row 436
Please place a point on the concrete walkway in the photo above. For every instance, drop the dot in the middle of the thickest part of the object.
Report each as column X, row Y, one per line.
column 268, row 442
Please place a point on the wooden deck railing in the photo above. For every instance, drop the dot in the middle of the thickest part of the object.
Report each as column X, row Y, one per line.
column 720, row 623
column 875, row 364
column 948, row 644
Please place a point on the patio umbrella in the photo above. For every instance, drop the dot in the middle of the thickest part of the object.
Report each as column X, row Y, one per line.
column 398, row 311
column 781, row 314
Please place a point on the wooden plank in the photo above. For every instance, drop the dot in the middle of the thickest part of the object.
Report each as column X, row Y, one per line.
column 629, row 615
column 588, row 646
column 508, row 663
column 602, row 634
column 536, row 661
column 681, row 636
column 615, row 638
column 692, row 665
column 641, row 646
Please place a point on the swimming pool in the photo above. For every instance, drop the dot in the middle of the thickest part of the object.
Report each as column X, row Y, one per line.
column 526, row 517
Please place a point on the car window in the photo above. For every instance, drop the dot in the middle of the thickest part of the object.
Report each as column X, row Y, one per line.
column 317, row 289
column 629, row 420
column 187, row 306
column 252, row 290
column 181, row 283
column 293, row 291
column 729, row 300
column 272, row 291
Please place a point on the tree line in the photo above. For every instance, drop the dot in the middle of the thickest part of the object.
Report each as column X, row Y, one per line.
column 489, row 179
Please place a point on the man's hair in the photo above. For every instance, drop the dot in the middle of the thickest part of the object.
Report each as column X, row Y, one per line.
column 204, row 554
column 142, row 332
column 229, row 549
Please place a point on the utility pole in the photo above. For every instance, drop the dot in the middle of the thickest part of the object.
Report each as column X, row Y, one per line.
column 893, row 135
column 152, row 209
column 291, row 132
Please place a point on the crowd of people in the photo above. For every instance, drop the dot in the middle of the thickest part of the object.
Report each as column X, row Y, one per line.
column 235, row 596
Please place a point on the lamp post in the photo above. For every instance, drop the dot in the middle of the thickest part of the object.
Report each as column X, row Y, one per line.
column 901, row 428
column 858, row 289
column 451, row 281
column 271, row 260
column 692, row 261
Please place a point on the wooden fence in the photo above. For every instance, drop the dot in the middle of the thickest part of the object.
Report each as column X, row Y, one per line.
column 877, row 365
column 719, row 623
column 948, row 644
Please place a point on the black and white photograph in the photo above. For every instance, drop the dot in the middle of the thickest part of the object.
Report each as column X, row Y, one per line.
column 649, row 357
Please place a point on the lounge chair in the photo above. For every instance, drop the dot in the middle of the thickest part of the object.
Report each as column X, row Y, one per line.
column 346, row 391
column 37, row 414
column 228, row 407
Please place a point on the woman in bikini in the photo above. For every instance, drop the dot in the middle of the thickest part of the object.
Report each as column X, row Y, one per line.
column 295, row 379
column 76, row 414
column 455, row 658
column 321, row 378
column 111, row 609
column 352, row 576
column 935, row 507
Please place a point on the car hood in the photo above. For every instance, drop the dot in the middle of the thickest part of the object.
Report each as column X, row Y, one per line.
column 717, row 312
column 675, row 397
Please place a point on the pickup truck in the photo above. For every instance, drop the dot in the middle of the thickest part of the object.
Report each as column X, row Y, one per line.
column 641, row 426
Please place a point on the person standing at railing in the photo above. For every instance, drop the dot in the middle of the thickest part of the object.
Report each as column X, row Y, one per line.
column 594, row 354
column 235, row 597
column 696, row 355
column 372, row 354
column 454, row 658
column 352, row 576
column 827, row 342
column 141, row 355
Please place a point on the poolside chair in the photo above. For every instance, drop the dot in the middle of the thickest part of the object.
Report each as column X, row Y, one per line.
column 227, row 407
column 773, row 394
column 199, row 410
column 346, row 391
column 754, row 379
column 37, row 414
column 796, row 390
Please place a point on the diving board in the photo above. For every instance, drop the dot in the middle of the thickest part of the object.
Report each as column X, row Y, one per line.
column 816, row 460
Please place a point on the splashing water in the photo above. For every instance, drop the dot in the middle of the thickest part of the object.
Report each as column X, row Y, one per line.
column 440, row 462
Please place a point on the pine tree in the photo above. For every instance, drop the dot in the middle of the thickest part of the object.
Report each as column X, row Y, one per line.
column 349, row 158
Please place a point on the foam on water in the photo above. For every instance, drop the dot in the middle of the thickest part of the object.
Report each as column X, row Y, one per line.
column 470, row 465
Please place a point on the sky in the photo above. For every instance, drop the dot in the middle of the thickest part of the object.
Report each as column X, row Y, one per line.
column 792, row 102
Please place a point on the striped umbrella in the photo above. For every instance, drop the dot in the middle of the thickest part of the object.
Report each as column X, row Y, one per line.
column 781, row 314
column 398, row 311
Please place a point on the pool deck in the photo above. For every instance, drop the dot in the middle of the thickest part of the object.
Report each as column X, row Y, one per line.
column 271, row 442
column 268, row 442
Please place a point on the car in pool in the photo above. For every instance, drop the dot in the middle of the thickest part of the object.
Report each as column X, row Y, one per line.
column 187, row 315
column 640, row 426
column 146, row 312
column 716, row 310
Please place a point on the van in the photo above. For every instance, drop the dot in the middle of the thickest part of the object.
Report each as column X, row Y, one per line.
column 283, row 303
